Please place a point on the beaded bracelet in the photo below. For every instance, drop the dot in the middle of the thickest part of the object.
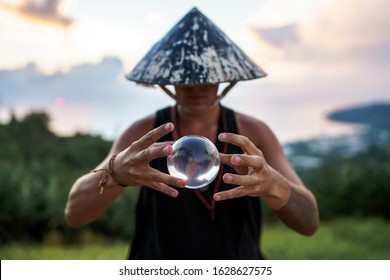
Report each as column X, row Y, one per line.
column 108, row 172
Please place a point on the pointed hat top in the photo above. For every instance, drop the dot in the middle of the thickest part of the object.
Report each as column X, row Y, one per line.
column 194, row 51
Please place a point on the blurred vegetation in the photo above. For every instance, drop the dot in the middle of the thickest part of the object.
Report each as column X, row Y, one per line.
column 37, row 169
column 338, row 239
column 357, row 186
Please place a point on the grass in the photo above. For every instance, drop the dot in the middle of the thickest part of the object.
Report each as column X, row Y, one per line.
column 101, row 251
column 341, row 239
column 336, row 240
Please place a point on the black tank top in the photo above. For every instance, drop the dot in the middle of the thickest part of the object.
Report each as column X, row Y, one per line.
column 184, row 228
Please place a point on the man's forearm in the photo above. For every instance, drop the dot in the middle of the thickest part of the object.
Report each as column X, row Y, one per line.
column 300, row 212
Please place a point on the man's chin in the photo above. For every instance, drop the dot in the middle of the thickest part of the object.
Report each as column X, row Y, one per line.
column 196, row 109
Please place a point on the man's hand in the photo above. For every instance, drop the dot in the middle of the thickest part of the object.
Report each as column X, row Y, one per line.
column 132, row 165
column 253, row 171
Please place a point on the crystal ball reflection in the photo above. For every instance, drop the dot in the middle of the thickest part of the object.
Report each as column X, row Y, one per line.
column 194, row 159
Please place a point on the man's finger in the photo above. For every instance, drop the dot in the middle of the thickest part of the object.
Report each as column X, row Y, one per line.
column 152, row 136
column 240, row 141
column 233, row 193
column 164, row 178
column 161, row 187
column 154, row 151
column 239, row 180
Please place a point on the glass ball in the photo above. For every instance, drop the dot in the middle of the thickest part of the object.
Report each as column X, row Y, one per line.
column 194, row 159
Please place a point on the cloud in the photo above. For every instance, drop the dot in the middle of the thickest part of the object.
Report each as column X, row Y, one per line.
column 339, row 57
column 89, row 97
column 44, row 12
column 78, row 86
column 346, row 44
column 351, row 28
column 280, row 37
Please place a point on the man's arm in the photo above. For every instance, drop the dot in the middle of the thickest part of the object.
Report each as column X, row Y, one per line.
column 264, row 171
column 86, row 202
column 300, row 212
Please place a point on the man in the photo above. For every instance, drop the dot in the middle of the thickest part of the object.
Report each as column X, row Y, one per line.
column 222, row 220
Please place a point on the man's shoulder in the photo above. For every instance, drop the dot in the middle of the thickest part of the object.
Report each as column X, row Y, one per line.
column 255, row 129
column 249, row 122
column 136, row 130
column 145, row 124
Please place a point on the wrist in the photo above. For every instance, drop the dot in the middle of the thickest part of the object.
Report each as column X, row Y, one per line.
column 112, row 171
column 108, row 174
column 279, row 192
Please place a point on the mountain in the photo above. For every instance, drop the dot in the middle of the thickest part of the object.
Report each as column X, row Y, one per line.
column 313, row 153
column 372, row 115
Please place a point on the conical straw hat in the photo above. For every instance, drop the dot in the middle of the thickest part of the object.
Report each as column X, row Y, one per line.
column 194, row 51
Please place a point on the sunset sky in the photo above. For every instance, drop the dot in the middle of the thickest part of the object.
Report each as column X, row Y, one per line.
column 70, row 57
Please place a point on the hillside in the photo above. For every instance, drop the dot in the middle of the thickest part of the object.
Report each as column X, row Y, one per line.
column 372, row 115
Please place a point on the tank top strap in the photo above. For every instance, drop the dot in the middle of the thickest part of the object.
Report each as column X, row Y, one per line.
column 163, row 116
column 230, row 120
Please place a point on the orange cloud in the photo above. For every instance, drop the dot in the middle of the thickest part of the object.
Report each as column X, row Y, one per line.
column 43, row 12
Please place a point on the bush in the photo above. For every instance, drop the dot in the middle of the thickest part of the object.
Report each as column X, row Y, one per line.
column 357, row 186
column 37, row 170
